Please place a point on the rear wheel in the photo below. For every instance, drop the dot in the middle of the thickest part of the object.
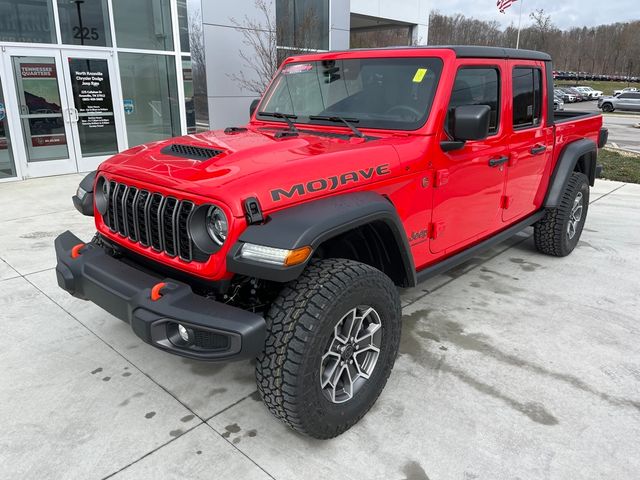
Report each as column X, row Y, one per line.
column 332, row 340
column 559, row 230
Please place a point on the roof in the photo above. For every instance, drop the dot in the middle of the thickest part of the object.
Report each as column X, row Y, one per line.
column 472, row 51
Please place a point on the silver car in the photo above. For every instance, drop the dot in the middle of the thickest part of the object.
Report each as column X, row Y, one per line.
column 624, row 101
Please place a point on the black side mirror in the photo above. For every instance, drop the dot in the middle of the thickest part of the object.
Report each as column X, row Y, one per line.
column 253, row 106
column 468, row 122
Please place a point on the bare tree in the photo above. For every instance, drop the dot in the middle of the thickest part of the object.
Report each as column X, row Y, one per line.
column 605, row 49
column 260, row 39
column 261, row 54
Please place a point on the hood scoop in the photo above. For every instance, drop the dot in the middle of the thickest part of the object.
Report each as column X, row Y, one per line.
column 189, row 151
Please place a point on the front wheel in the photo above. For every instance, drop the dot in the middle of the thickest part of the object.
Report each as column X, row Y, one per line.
column 607, row 107
column 332, row 339
column 559, row 230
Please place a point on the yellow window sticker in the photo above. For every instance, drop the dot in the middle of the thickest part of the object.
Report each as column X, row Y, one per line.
column 419, row 76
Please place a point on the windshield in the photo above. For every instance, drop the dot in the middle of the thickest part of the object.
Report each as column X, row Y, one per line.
column 385, row 93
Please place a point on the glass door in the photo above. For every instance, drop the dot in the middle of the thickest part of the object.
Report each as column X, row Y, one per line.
column 7, row 165
column 97, row 128
column 40, row 100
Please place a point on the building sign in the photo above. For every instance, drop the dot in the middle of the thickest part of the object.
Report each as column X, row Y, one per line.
column 128, row 106
column 2, row 112
column 38, row 70
column 48, row 140
column 91, row 86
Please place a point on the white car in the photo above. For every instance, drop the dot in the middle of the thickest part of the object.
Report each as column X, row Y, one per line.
column 625, row 90
column 592, row 93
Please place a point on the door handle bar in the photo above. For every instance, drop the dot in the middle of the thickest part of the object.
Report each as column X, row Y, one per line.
column 496, row 162
column 538, row 149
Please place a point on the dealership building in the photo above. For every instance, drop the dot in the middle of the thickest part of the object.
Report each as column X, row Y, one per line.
column 81, row 80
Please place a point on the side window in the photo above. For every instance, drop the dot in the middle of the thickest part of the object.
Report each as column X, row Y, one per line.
column 527, row 97
column 624, row 95
column 477, row 86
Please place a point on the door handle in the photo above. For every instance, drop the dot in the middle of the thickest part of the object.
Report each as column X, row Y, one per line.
column 538, row 149
column 75, row 116
column 496, row 162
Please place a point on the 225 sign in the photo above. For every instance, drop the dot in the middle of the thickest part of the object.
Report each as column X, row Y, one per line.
column 85, row 33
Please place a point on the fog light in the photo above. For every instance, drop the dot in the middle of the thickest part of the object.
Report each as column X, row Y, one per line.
column 184, row 333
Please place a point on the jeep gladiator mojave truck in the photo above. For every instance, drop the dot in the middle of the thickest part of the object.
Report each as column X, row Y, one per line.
column 359, row 172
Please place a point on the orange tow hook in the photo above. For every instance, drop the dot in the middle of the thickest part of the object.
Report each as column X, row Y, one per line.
column 155, row 291
column 75, row 251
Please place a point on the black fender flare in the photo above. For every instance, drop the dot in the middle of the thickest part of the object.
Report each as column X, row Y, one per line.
column 311, row 224
column 567, row 164
column 85, row 205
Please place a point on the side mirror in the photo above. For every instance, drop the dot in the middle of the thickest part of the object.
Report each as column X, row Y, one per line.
column 468, row 122
column 253, row 106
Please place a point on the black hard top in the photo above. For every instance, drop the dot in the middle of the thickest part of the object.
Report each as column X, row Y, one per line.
column 471, row 51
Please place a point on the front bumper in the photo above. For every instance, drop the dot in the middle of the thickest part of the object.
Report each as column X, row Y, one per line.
column 217, row 331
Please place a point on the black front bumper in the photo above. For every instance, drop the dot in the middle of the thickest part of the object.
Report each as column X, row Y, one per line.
column 217, row 331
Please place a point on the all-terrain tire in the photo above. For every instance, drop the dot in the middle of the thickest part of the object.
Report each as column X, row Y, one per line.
column 301, row 322
column 552, row 234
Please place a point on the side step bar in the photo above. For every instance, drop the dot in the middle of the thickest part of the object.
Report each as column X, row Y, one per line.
column 463, row 256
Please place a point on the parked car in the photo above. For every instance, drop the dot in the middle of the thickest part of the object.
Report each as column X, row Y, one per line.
column 625, row 101
column 572, row 97
column 580, row 96
column 564, row 96
column 592, row 93
column 624, row 90
column 558, row 104
column 287, row 239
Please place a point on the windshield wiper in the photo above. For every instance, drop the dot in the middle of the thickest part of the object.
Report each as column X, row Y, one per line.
column 345, row 121
column 285, row 116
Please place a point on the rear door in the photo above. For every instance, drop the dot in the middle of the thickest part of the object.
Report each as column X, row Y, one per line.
column 530, row 140
column 469, row 182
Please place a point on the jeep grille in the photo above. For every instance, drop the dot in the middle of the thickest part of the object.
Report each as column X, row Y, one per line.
column 152, row 220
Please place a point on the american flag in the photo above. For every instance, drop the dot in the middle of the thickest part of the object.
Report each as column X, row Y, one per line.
column 504, row 4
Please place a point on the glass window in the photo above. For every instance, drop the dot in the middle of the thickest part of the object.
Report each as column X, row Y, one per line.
column 27, row 21
column 393, row 93
column 527, row 97
column 478, row 86
column 143, row 24
column 7, row 167
column 183, row 25
column 40, row 108
column 303, row 24
column 187, row 80
column 91, row 88
column 150, row 96
column 84, row 22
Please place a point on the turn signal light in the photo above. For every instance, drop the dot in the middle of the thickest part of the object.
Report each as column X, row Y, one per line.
column 297, row 256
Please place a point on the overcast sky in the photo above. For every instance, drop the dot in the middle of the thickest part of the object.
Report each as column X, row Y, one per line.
column 564, row 13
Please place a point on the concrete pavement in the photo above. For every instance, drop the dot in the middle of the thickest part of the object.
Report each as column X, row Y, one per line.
column 512, row 366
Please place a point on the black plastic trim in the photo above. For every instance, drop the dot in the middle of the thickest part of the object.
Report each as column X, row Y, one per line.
column 566, row 165
column 85, row 206
column 311, row 224
column 603, row 137
column 455, row 260
column 124, row 291
column 470, row 51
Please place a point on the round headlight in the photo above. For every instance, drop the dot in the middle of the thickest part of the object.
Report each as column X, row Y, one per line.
column 101, row 195
column 217, row 225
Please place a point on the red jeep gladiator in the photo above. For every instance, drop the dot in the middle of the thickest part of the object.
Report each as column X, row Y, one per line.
column 287, row 239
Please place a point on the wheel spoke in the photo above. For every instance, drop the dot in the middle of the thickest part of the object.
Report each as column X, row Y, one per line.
column 351, row 353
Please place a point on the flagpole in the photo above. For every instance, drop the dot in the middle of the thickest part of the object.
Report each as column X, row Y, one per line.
column 519, row 25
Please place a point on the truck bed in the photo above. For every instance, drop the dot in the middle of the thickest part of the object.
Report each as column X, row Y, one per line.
column 568, row 115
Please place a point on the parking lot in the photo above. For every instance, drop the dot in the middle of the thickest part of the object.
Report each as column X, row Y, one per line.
column 514, row 365
column 622, row 131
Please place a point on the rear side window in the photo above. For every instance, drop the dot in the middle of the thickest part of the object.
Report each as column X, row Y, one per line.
column 527, row 97
column 477, row 86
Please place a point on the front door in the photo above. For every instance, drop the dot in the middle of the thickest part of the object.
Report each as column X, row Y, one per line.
column 97, row 129
column 469, row 182
column 65, row 109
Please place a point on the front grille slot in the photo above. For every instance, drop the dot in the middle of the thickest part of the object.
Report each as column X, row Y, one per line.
column 153, row 220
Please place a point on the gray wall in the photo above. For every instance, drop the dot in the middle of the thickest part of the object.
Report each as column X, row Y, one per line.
column 228, row 102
